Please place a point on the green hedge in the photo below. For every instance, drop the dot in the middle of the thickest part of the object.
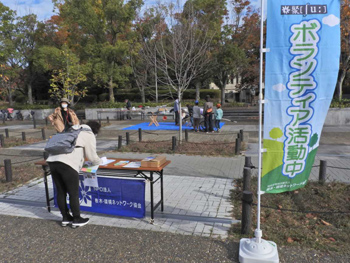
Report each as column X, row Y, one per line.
column 103, row 97
column 129, row 96
column 189, row 94
column 31, row 107
column 213, row 93
column 89, row 99
column 21, row 98
column 344, row 103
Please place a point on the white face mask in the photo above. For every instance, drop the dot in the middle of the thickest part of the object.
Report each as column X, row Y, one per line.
column 64, row 105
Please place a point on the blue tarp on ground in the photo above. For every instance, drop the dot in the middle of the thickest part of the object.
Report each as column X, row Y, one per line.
column 162, row 126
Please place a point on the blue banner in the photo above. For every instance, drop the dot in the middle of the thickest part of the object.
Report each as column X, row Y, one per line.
column 114, row 196
column 302, row 64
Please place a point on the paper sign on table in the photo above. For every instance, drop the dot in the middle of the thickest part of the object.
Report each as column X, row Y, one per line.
column 106, row 161
column 90, row 179
column 89, row 174
column 90, row 169
column 120, row 163
column 133, row 165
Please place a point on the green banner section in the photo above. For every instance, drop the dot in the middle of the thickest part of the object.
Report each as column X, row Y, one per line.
column 272, row 181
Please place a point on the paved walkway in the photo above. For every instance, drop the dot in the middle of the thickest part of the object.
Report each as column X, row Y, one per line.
column 193, row 206
column 196, row 206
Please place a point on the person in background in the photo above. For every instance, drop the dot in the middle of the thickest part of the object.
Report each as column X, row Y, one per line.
column 208, row 114
column 63, row 117
column 65, row 172
column 196, row 116
column 176, row 110
column 190, row 113
column 9, row 115
column 218, row 116
column 128, row 107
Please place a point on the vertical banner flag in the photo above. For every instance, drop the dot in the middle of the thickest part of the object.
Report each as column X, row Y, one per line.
column 302, row 63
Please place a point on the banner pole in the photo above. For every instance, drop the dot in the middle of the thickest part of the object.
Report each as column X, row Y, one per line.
column 258, row 232
column 258, row 250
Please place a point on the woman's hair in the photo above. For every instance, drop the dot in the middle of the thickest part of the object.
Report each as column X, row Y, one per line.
column 94, row 125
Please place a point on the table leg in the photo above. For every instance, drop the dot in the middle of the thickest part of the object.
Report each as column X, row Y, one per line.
column 161, row 191
column 46, row 173
column 152, row 204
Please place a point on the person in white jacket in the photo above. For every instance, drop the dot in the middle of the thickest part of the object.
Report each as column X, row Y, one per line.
column 65, row 172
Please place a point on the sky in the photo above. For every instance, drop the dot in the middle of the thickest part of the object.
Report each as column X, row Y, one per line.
column 44, row 8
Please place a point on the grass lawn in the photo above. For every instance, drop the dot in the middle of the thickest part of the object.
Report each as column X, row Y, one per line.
column 20, row 175
column 321, row 231
column 13, row 141
column 212, row 148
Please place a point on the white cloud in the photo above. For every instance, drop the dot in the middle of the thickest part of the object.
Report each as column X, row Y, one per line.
column 331, row 20
column 279, row 87
column 42, row 8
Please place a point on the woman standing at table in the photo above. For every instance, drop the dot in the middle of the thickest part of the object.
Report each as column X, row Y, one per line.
column 63, row 117
column 65, row 172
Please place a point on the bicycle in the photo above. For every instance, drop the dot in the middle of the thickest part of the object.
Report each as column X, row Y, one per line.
column 2, row 114
column 19, row 115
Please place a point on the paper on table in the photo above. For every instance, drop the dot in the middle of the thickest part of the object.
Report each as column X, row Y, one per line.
column 133, row 165
column 89, row 174
column 90, row 179
column 106, row 161
column 148, row 158
column 121, row 163
column 90, row 169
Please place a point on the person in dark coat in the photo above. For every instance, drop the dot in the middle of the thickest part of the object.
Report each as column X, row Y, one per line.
column 208, row 114
column 128, row 107
column 176, row 110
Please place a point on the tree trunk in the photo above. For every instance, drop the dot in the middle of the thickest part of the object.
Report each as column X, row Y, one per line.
column 10, row 97
column 223, row 82
column 223, row 87
column 111, row 93
column 30, row 93
column 143, row 96
column 198, row 86
column 71, row 99
column 180, row 116
column 339, row 86
column 341, row 76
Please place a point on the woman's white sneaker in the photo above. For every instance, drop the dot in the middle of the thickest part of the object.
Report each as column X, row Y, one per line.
column 80, row 222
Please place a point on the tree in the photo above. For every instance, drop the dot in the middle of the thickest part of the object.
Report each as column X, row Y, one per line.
column 210, row 14
column 25, row 41
column 65, row 81
column 9, row 82
column 246, row 35
column 229, row 60
column 181, row 48
column 141, row 74
column 276, row 133
column 8, row 55
column 106, row 27
column 345, row 47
